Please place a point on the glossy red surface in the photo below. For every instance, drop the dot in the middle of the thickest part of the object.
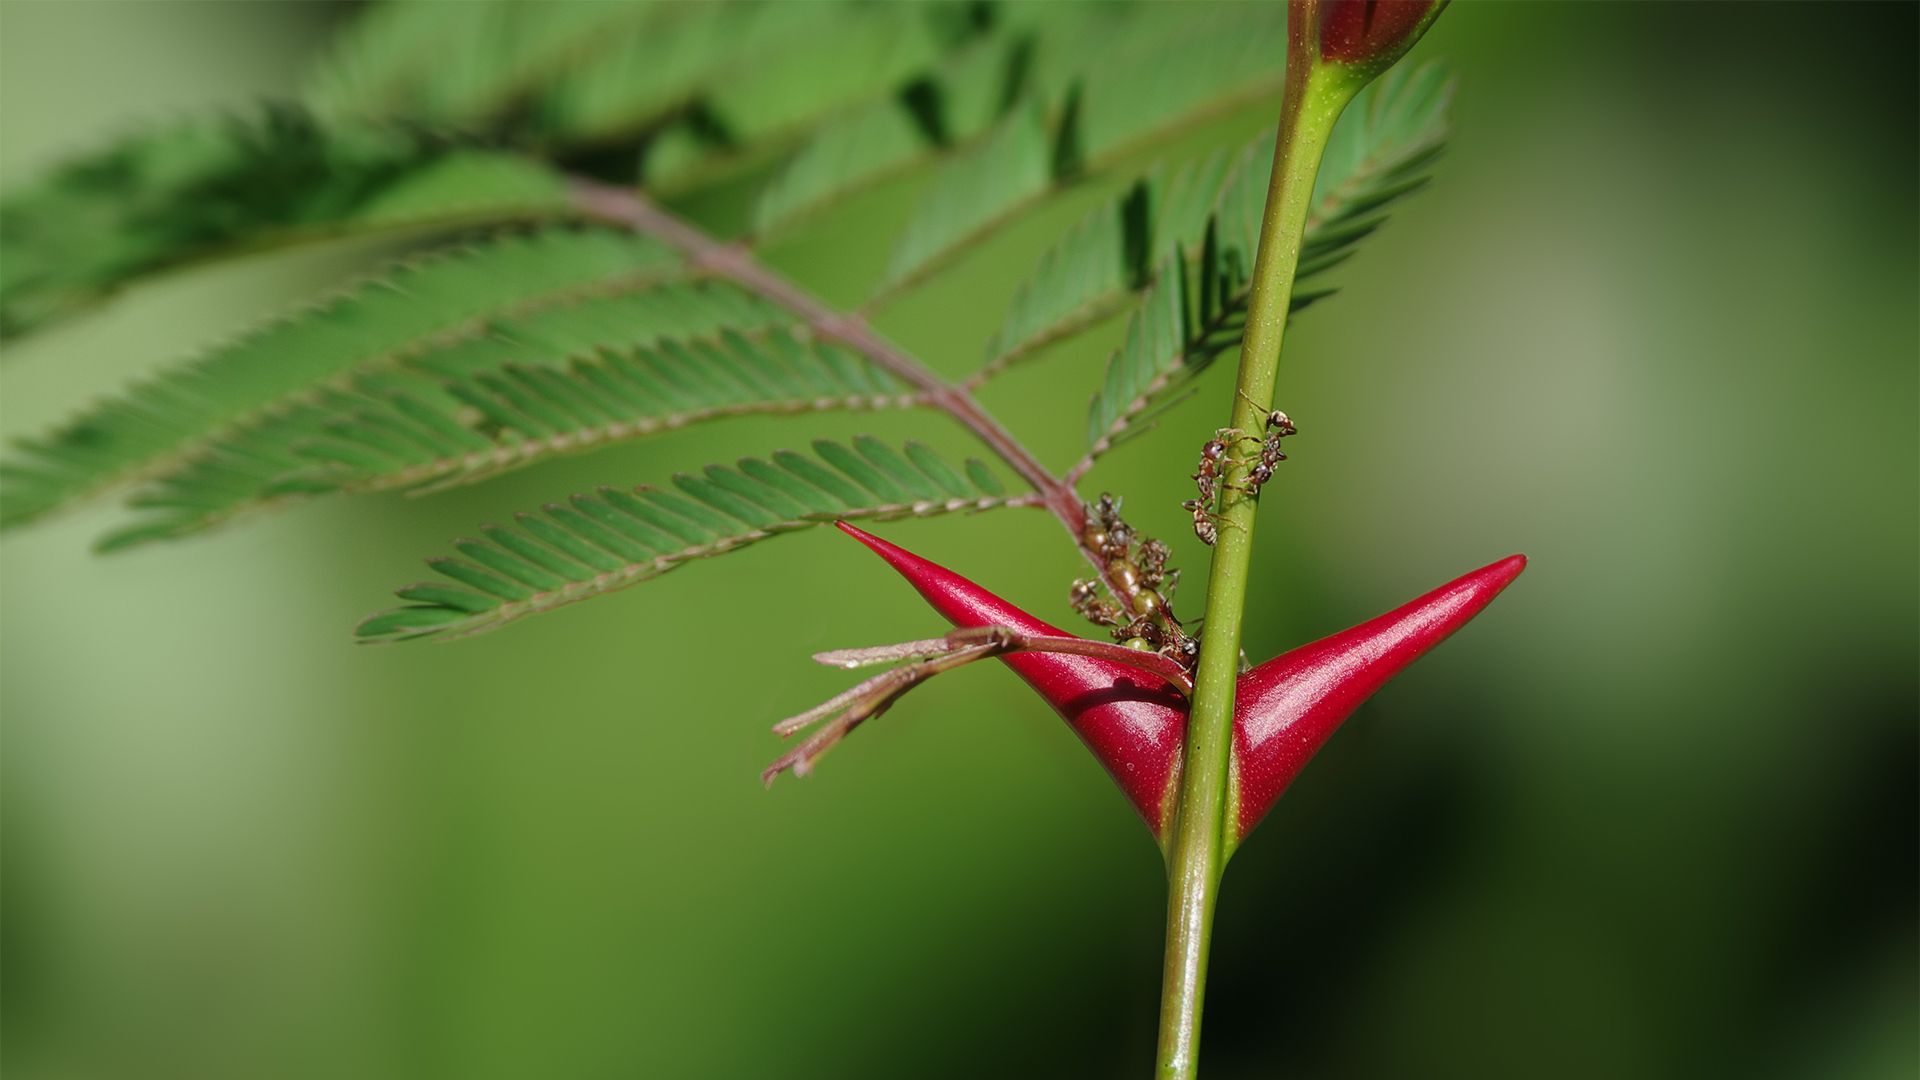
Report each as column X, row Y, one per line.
column 1287, row 707
column 1284, row 709
column 1356, row 30
column 1132, row 721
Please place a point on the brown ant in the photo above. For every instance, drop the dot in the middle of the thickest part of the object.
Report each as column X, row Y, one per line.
column 1107, row 532
column 1187, row 650
column 1153, row 566
column 1275, row 418
column 1209, row 482
column 1086, row 601
column 1169, row 641
column 1278, row 426
column 1203, row 526
column 1145, row 630
column 1212, row 456
column 1206, row 523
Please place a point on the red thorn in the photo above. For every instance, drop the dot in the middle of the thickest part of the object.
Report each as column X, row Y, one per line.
column 1284, row 710
column 1287, row 707
column 1132, row 721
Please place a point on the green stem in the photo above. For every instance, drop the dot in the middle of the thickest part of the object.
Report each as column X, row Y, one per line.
column 1202, row 836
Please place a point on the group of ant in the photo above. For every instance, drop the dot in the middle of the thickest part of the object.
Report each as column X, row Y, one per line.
column 1211, row 481
column 1140, row 614
column 1137, row 575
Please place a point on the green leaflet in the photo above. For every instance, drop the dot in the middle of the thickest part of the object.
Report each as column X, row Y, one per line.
column 1180, row 62
column 944, row 111
column 463, row 66
column 488, row 405
column 462, row 188
column 1176, row 330
column 1129, row 77
column 498, row 419
column 594, row 544
column 1094, row 269
column 1011, row 166
column 1377, row 155
column 429, row 303
column 818, row 59
column 866, row 144
column 742, row 74
column 638, row 78
column 218, row 187
column 958, row 100
column 708, row 79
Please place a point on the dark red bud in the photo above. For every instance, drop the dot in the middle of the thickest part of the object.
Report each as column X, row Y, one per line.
column 1132, row 721
column 1287, row 707
column 1368, row 31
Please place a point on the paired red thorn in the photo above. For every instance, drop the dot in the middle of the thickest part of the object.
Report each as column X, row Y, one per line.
column 1135, row 723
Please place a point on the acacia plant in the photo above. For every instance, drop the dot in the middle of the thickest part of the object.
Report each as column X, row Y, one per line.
column 558, row 303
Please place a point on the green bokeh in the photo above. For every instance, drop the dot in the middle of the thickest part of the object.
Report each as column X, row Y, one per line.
column 1652, row 816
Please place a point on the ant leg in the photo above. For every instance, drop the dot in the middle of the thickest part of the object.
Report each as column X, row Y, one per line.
column 1263, row 410
column 1276, row 418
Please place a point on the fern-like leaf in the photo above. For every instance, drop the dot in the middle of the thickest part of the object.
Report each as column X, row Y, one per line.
column 1095, row 269
column 464, row 67
column 942, row 112
column 1378, row 154
column 1176, row 63
column 220, row 187
column 592, row 545
column 1390, row 135
column 1011, row 165
column 731, row 76
column 1180, row 326
column 443, row 302
column 696, row 81
column 444, row 414
column 817, row 61
column 491, row 421
column 1153, row 70
column 952, row 105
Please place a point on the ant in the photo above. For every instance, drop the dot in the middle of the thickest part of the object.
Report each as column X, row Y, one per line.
column 1210, row 484
column 1085, row 598
column 1278, row 426
column 1206, row 523
column 1107, row 532
column 1153, row 566
column 1203, row 521
column 1169, row 641
column 1212, row 455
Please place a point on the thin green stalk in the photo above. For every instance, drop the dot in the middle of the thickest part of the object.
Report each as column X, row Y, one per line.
column 1202, row 834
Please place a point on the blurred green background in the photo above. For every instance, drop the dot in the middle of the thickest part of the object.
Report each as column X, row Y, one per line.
column 1653, row 815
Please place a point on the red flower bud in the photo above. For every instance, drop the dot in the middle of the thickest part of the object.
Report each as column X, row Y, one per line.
column 1132, row 721
column 1368, row 33
column 1287, row 707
